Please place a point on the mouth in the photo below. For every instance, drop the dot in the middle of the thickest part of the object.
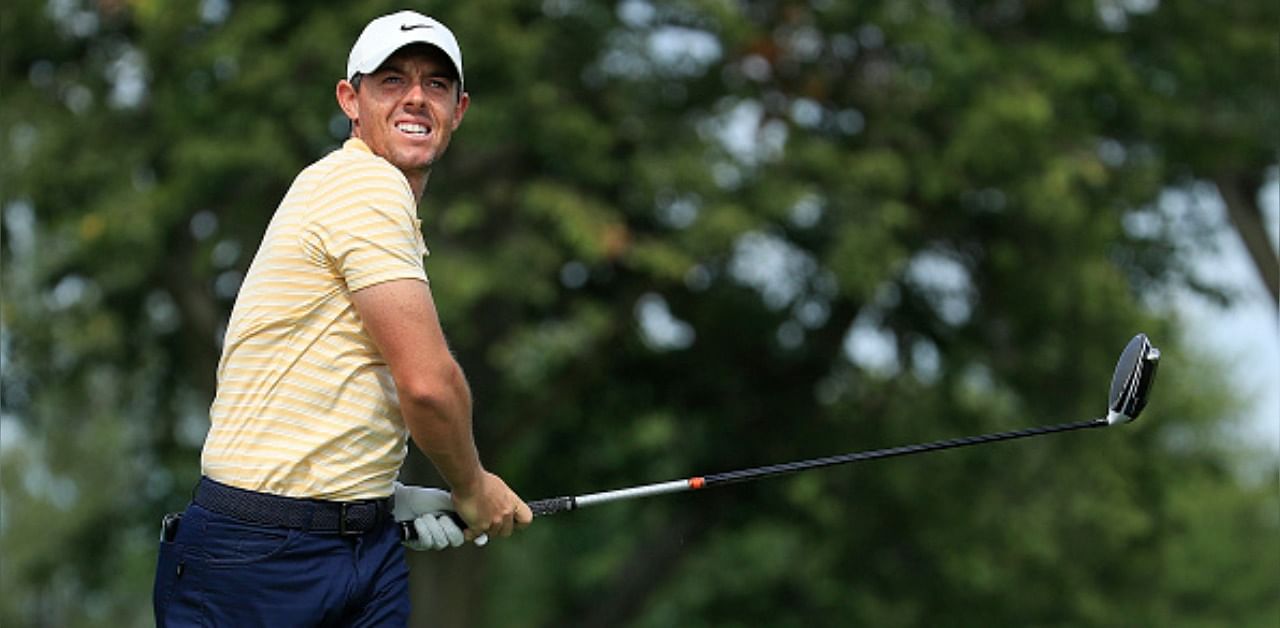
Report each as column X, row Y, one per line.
column 413, row 129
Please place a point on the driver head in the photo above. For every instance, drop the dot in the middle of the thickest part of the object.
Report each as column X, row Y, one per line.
column 1132, row 381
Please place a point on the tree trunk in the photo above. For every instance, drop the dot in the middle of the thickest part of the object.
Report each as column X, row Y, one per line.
column 1246, row 217
column 446, row 587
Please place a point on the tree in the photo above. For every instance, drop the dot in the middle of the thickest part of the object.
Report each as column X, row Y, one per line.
column 668, row 239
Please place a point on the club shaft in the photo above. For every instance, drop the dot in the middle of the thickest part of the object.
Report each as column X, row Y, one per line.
column 555, row 505
column 792, row 467
column 757, row 473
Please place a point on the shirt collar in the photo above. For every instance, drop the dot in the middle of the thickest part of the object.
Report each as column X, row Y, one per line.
column 357, row 144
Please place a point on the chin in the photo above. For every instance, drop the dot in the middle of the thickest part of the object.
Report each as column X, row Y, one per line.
column 415, row 162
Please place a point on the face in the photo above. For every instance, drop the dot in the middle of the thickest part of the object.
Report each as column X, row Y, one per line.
column 407, row 109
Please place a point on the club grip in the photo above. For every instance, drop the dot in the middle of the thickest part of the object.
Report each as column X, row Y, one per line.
column 540, row 508
column 457, row 519
column 551, row 506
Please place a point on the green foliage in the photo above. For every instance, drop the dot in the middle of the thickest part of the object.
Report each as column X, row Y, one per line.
column 781, row 180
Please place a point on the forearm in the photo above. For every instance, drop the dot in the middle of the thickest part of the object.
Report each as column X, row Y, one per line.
column 435, row 401
column 439, row 421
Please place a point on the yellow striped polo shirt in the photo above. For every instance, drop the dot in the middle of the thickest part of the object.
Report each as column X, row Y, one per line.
column 305, row 404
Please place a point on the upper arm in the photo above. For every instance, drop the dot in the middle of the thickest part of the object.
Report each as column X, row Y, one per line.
column 401, row 318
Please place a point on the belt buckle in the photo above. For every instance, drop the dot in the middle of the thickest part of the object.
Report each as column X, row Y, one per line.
column 342, row 521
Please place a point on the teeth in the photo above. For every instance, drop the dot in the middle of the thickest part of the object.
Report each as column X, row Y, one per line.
column 409, row 127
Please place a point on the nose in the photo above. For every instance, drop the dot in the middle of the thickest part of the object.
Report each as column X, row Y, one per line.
column 416, row 96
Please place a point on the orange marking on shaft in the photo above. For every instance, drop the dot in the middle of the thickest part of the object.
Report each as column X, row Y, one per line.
column 696, row 483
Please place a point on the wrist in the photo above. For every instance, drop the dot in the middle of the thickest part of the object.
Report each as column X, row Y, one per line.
column 470, row 485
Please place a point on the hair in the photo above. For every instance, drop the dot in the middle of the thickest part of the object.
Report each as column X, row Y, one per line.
column 355, row 81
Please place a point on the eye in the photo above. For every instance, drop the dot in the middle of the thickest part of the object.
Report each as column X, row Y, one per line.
column 436, row 83
column 392, row 79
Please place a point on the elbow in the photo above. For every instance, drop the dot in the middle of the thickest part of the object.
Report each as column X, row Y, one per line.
column 433, row 391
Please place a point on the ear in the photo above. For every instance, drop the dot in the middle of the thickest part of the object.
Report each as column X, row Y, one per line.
column 348, row 100
column 461, row 109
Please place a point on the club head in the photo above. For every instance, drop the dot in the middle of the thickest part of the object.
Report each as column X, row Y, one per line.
column 1131, row 384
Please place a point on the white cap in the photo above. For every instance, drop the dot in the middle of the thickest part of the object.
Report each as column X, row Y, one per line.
column 389, row 33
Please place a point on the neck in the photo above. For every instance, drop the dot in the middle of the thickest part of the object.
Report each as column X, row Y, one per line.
column 417, row 182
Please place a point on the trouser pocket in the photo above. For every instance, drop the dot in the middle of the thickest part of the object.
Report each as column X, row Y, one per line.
column 227, row 541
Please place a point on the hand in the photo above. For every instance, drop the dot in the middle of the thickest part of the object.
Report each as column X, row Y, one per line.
column 491, row 508
column 426, row 508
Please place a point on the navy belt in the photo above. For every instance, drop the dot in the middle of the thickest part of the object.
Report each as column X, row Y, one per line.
column 314, row 515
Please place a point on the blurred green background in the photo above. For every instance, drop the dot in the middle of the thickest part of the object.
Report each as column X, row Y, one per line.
column 675, row 238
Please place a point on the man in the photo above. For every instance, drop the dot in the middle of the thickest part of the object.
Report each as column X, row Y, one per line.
column 333, row 356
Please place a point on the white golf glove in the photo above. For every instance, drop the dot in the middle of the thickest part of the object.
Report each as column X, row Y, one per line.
column 427, row 508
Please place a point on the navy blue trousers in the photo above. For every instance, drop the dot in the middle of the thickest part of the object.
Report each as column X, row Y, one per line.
column 221, row 571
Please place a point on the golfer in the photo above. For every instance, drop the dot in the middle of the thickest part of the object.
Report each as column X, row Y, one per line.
column 333, row 358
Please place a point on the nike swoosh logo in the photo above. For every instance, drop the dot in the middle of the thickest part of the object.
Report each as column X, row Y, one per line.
column 409, row 27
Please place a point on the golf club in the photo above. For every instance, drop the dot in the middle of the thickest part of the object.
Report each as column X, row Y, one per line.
column 1130, row 387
